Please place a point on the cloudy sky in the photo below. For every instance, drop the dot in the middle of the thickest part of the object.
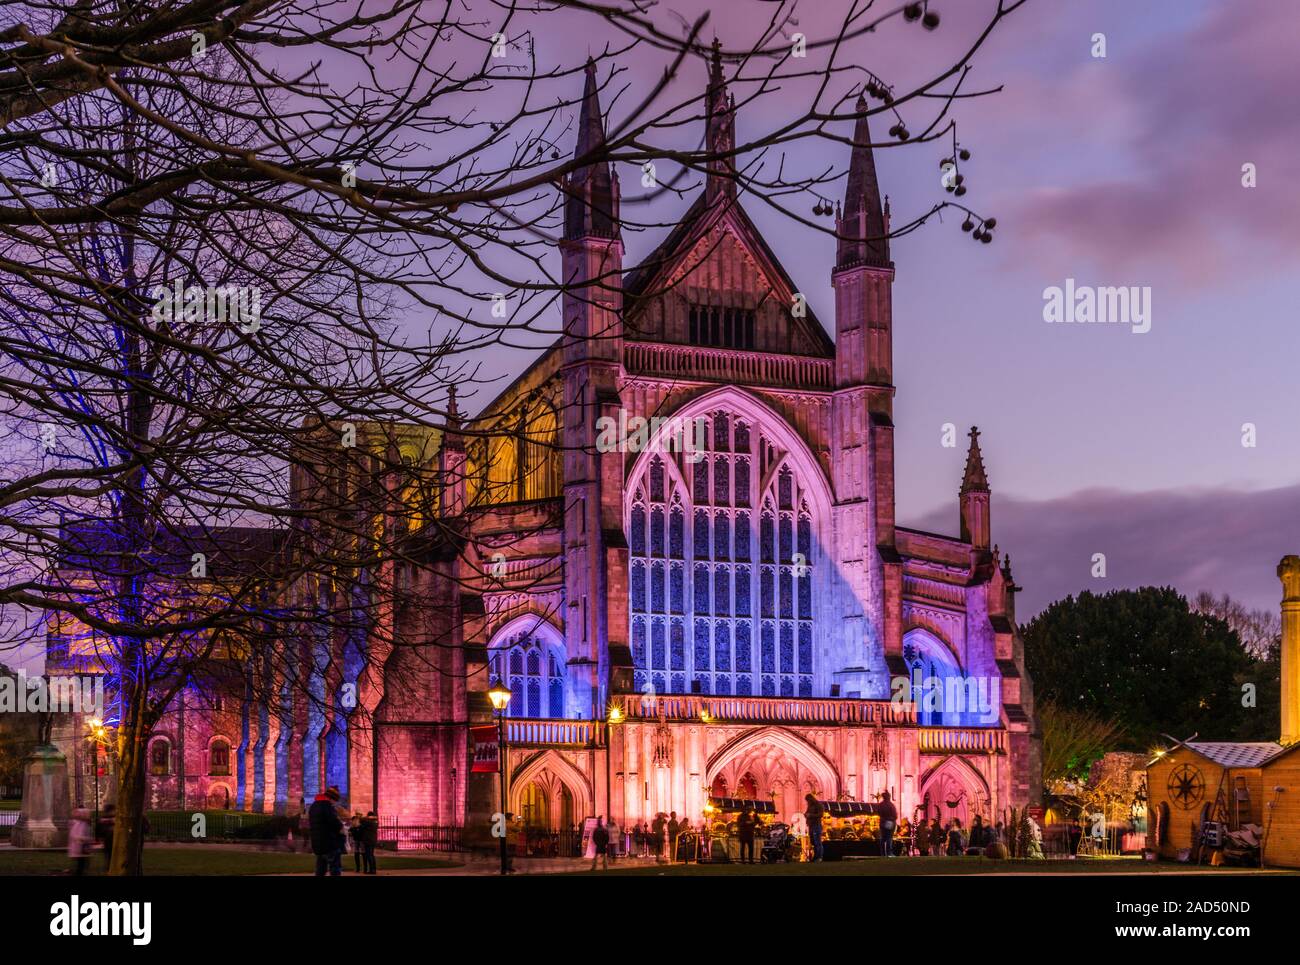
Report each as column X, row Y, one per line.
column 1125, row 170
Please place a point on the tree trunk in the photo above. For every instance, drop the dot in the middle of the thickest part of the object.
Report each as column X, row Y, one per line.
column 132, row 785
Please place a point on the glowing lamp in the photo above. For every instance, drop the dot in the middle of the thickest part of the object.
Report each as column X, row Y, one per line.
column 616, row 714
column 500, row 696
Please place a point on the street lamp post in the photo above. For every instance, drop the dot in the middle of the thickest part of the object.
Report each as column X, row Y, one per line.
column 615, row 716
column 96, row 738
column 500, row 695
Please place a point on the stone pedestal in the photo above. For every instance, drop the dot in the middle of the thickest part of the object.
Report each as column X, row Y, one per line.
column 43, row 822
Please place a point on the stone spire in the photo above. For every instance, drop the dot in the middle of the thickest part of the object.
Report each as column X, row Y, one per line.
column 453, row 464
column 973, row 498
column 976, row 479
column 720, row 108
column 453, row 410
column 861, row 224
column 591, row 206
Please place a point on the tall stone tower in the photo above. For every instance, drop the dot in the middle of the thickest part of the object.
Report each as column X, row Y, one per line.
column 1288, row 571
column 863, row 278
column 595, row 571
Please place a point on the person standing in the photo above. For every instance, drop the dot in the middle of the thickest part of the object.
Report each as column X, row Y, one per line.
column 888, row 822
column 658, row 828
column 354, row 832
column 600, row 838
column 745, row 827
column 369, row 841
column 80, row 840
column 956, row 846
column 107, row 823
column 326, row 833
column 813, row 814
column 674, row 828
column 615, row 840
column 937, row 838
column 923, row 837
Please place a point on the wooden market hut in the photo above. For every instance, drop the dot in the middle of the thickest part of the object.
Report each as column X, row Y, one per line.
column 1231, row 783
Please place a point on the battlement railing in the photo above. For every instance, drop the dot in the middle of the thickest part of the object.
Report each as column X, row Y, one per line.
column 726, row 365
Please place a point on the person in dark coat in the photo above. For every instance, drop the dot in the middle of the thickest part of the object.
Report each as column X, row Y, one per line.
column 937, row 838
column 600, row 840
column 813, row 815
column 354, row 833
column 657, row 827
column 888, row 822
column 956, row 846
column 326, row 833
column 746, row 825
column 674, row 829
column 369, row 841
column 978, row 839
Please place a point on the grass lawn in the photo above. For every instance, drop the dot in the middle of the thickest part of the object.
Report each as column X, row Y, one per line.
column 199, row 861
column 921, row 866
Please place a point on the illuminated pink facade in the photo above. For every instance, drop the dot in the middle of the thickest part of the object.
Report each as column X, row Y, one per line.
column 747, row 607
column 743, row 611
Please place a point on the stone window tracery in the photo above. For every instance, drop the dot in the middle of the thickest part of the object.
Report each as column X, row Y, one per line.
column 534, row 672
column 706, row 521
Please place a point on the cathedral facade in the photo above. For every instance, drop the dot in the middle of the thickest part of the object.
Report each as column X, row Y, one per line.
column 678, row 550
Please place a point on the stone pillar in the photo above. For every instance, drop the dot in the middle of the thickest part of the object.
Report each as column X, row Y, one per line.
column 1288, row 571
column 43, row 822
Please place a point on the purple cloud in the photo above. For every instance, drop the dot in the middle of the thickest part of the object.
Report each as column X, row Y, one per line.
column 1222, row 540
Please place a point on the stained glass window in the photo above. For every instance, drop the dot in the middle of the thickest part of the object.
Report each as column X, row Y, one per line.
column 699, row 513
column 638, row 530
column 722, row 645
column 676, row 588
column 676, row 527
column 535, row 674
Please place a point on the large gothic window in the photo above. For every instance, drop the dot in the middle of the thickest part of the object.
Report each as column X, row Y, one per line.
column 731, row 530
column 944, row 696
column 534, row 672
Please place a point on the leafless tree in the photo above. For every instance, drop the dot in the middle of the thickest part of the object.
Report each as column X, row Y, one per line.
column 216, row 217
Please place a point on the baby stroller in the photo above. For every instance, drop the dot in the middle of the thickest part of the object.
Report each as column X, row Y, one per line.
column 777, row 844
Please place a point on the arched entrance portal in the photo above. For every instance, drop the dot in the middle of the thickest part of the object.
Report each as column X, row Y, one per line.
column 774, row 764
column 549, row 793
column 954, row 789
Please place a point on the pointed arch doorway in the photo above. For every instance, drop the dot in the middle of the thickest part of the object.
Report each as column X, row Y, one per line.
column 776, row 764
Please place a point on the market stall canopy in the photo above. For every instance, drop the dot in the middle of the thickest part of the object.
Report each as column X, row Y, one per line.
column 848, row 809
column 742, row 804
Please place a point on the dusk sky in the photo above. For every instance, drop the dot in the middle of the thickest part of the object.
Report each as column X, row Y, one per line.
column 1122, row 171
column 1125, row 170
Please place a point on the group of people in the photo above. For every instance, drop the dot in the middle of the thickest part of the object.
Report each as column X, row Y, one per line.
column 815, row 813
column 659, row 836
column 331, row 829
column 935, row 838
